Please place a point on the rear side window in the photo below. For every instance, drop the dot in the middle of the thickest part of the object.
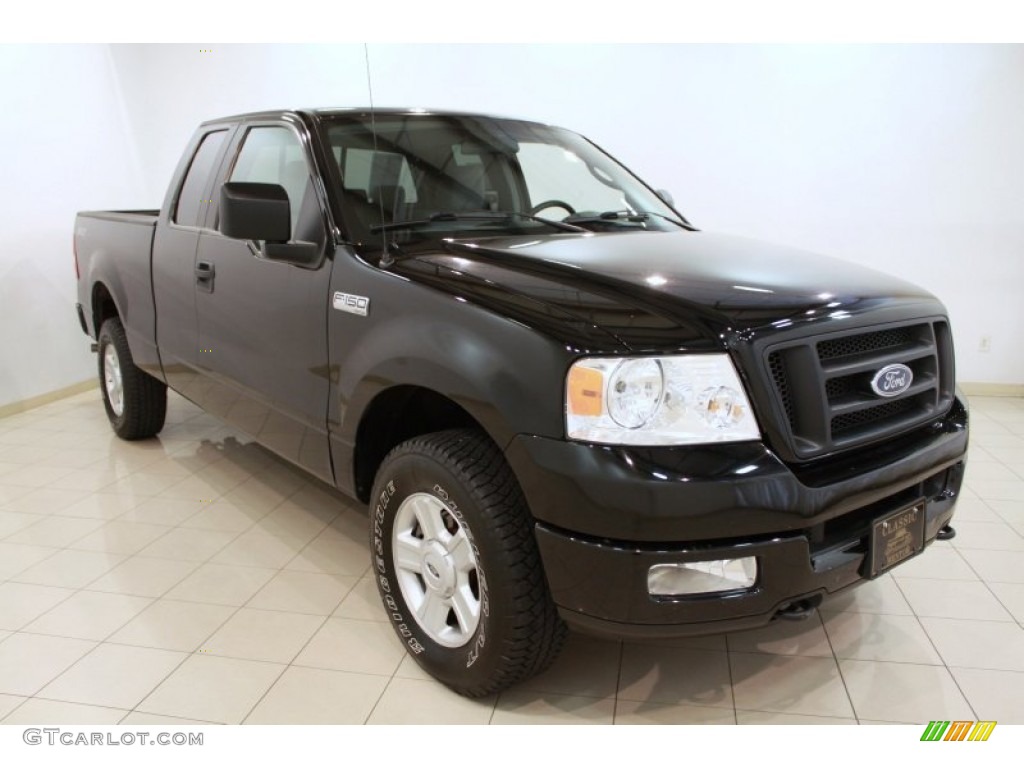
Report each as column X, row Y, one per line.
column 190, row 198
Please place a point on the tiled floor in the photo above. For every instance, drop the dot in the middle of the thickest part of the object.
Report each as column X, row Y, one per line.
column 196, row 578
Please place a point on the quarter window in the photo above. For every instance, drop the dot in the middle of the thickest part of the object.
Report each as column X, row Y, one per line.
column 190, row 198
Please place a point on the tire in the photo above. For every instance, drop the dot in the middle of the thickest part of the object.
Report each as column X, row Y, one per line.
column 135, row 402
column 451, row 538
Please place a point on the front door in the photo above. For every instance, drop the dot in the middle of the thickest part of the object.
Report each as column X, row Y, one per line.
column 263, row 324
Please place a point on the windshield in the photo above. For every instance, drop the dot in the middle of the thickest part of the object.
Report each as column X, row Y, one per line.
column 444, row 174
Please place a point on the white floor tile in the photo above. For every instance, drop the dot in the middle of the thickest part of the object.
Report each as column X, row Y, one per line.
column 263, row 635
column 426, row 702
column 347, row 645
column 145, row 718
column 300, row 592
column 521, row 707
column 586, row 667
column 12, row 522
column 317, row 696
column 188, row 544
column 9, row 703
column 213, row 688
column 978, row 644
column 940, row 561
column 114, row 676
column 144, row 576
column 655, row 713
column 255, row 549
column 363, row 603
column 1011, row 596
column 878, row 637
column 953, row 600
column 121, row 537
column 750, row 717
column 991, row 535
column 674, row 676
column 221, row 584
column 994, row 695
column 173, row 625
column 70, row 568
column 22, row 603
column 996, row 566
column 89, row 615
column 35, row 711
column 28, row 662
column 54, row 531
column 796, row 685
column 906, row 693
column 16, row 558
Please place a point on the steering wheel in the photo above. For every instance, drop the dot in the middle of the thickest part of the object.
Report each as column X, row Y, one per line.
column 552, row 204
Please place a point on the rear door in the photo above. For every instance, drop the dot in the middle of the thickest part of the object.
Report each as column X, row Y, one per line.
column 262, row 324
column 174, row 256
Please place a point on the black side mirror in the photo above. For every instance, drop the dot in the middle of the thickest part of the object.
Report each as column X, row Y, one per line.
column 250, row 211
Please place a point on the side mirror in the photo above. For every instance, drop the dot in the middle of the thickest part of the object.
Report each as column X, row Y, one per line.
column 666, row 196
column 250, row 211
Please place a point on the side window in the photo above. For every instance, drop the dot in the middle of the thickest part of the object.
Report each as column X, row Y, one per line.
column 189, row 203
column 272, row 155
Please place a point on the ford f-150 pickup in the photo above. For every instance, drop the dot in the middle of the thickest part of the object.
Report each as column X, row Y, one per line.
column 563, row 405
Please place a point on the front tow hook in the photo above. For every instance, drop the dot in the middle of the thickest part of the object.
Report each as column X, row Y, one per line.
column 800, row 610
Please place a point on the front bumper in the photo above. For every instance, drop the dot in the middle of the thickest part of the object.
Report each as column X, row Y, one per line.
column 606, row 515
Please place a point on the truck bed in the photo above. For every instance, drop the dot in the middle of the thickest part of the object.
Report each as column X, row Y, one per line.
column 114, row 251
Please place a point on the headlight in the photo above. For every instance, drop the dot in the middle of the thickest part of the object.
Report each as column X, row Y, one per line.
column 678, row 400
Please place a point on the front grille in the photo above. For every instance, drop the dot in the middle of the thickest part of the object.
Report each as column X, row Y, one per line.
column 864, row 342
column 822, row 385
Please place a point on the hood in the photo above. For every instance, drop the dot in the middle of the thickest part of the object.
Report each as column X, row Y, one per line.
column 665, row 290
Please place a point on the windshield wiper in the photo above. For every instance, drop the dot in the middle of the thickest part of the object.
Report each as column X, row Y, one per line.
column 472, row 216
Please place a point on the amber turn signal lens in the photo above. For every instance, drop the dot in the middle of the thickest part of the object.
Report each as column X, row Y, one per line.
column 585, row 388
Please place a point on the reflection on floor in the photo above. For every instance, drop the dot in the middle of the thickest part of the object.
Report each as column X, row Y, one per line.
column 196, row 578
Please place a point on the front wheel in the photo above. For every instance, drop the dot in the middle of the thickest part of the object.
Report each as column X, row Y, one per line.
column 135, row 402
column 456, row 564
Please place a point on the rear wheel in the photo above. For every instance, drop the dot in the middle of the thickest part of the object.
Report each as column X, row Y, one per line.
column 135, row 402
column 456, row 564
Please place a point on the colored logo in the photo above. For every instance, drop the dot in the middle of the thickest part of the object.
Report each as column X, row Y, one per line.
column 892, row 380
column 958, row 730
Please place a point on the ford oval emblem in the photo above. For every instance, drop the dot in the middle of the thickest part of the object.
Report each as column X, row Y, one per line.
column 892, row 380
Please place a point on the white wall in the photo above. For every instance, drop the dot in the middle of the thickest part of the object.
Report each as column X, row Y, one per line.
column 65, row 147
column 905, row 158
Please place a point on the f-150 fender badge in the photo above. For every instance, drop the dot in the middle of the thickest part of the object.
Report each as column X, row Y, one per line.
column 349, row 302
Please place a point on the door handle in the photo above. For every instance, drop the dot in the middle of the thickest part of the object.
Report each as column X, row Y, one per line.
column 204, row 276
column 204, row 270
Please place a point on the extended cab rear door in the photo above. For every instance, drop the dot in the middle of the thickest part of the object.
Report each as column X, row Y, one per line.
column 174, row 255
column 263, row 324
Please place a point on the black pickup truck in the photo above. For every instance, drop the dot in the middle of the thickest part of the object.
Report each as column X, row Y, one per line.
column 562, row 403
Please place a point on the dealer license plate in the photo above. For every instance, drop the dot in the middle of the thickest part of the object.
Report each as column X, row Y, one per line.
column 895, row 538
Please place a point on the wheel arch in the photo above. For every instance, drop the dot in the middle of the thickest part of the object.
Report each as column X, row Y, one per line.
column 396, row 414
column 103, row 307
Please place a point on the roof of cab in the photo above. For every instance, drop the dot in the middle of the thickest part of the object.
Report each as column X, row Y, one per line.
column 333, row 111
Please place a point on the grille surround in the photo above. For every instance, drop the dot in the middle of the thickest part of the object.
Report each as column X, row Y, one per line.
column 820, row 385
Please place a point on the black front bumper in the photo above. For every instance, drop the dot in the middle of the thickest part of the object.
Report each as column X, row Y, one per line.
column 606, row 515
